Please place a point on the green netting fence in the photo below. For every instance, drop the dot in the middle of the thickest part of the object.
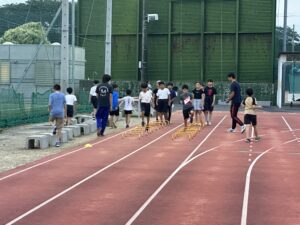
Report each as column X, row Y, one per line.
column 16, row 110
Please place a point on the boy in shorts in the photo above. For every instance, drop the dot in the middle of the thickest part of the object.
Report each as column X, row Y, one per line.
column 210, row 100
column 93, row 98
column 114, row 114
column 173, row 96
column 199, row 98
column 57, row 106
column 71, row 101
column 250, row 117
column 128, row 107
column 145, row 99
column 163, row 101
column 187, row 105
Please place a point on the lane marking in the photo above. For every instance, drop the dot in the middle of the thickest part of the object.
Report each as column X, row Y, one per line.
column 248, row 179
column 88, row 178
column 287, row 124
column 158, row 190
column 59, row 157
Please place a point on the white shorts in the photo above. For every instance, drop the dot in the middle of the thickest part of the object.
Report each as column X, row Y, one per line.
column 198, row 104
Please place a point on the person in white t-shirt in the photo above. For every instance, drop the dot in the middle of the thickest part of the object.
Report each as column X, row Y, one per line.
column 71, row 101
column 163, row 101
column 145, row 99
column 93, row 98
column 128, row 106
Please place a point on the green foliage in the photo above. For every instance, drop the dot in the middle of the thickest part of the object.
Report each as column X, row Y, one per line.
column 29, row 33
column 290, row 35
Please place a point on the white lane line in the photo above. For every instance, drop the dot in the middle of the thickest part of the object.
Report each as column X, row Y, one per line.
column 288, row 125
column 88, row 178
column 158, row 190
column 58, row 157
column 248, row 180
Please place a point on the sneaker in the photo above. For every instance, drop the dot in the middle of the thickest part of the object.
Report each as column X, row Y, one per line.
column 147, row 128
column 98, row 132
column 209, row 123
column 143, row 123
column 54, row 130
column 243, row 128
column 57, row 144
column 257, row 138
column 127, row 126
column 248, row 140
column 230, row 130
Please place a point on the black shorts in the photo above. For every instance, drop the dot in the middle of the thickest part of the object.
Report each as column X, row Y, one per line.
column 162, row 106
column 186, row 113
column 94, row 101
column 250, row 119
column 208, row 106
column 127, row 112
column 70, row 111
column 115, row 112
column 145, row 108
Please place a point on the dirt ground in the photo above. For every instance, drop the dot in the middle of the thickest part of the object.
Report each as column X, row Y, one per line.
column 14, row 154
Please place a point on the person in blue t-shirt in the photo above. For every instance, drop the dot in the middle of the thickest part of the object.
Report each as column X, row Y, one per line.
column 114, row 114
column 57, row 107
column 236, row 100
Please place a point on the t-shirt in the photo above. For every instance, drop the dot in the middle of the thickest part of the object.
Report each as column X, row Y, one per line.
column 104, row 91
column 115, row 101
column 71, row 99
column 209, row 93
column 173, row 94
column 128, row 101
column 249, row 106
column 198, row 93
column 235, row 86
column 57, row 103
column 145, row 97
column 186, row 100
column 163, row 94
column 93, row 91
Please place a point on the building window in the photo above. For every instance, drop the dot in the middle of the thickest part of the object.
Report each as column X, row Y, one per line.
column 4, row 72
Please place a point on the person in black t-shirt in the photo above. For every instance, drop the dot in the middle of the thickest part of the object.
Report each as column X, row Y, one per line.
column 199, row 98
column 104, row 94
column 236, row 100
column 173, row 96
column 210, row 100
column 155, row 98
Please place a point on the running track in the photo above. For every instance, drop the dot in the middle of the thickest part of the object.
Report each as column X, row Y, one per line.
column 215, row 179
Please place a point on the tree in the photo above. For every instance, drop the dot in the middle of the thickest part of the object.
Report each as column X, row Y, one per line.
column 290, row 35
column 29, row 33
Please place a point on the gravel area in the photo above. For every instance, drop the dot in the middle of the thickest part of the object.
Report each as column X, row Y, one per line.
column 14, row 154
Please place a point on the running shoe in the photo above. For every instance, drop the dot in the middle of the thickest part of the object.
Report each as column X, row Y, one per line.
column 147, row 128
column 143, row 123
column 248, row 140
column 230, row 130
column 191, row 120
column 98, row 132
column 57, row 144
column 54, row 130
column 127, row 126
column 209, row 123
column 243, row 129
column 257, row 138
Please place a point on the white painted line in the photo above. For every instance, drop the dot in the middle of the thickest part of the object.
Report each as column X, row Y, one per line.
column 58, row 157
column 248, row 179
column 158, row 190
column 88, row 178
column 287, row 123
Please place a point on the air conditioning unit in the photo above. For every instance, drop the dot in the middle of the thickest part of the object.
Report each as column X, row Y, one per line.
column 152, row 17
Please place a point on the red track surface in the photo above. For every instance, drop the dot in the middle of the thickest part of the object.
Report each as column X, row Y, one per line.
column 207, row 190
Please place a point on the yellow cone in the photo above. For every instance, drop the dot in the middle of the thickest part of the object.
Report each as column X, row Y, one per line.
column 88, row 146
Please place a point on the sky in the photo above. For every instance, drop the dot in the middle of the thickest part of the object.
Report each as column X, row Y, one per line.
column 293, row 11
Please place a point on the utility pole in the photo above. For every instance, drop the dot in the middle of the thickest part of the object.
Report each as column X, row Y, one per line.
column 73, row 45
column 293, row 40
column 285, row 25
column 64, row 67
column 144, row 44
column 108, row 37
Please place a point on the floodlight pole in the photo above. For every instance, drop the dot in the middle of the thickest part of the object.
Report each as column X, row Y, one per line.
column 64, row 67
column 144, row 44
column 73, row 45
column 285, row 26
column 107, row 69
